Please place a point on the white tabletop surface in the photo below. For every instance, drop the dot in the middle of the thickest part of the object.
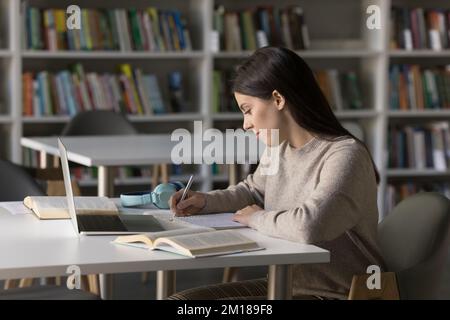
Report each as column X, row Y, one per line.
column 33, row 248
column 124, row 150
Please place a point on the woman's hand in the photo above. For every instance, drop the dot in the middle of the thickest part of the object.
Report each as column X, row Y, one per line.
column 243, row 216
column 192, row 204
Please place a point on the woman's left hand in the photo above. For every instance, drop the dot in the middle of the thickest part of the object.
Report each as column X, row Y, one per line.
column 243, row 216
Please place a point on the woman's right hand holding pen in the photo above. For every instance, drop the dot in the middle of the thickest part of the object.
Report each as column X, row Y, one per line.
column 192, row 204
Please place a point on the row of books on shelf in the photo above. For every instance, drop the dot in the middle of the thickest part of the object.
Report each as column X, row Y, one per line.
column 419, row 147
column 253, row 28
column 399, row 191
column 70, row 91
column 106, row 29
column 419, row 28
column 412, row 87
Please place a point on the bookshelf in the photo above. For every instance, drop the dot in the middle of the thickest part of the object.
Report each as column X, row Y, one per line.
column 338, row 39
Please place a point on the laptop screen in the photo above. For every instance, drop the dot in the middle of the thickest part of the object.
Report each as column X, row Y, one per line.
column 68, row 185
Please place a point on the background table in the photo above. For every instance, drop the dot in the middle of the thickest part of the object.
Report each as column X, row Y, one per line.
column 106, row 152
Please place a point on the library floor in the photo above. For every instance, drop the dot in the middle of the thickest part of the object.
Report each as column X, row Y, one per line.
column 128, row 286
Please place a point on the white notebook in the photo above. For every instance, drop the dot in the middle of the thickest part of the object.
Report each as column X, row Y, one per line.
column 215, row 220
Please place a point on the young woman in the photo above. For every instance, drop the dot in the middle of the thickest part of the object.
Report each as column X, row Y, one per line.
column 325, row 190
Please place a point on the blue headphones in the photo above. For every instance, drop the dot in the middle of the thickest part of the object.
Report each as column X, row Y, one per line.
column 159, row 197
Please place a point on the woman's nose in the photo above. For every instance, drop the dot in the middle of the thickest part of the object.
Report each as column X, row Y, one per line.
column 246, row 125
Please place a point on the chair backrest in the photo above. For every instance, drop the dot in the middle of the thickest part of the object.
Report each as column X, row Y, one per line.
column 16, row 183
column 414, row 241
column 98, row 122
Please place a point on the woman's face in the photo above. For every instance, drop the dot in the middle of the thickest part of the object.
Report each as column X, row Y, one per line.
column 261, row 116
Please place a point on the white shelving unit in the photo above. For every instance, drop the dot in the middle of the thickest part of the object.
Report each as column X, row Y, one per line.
column 339, row 39
column 407, row 173
column 29, row 54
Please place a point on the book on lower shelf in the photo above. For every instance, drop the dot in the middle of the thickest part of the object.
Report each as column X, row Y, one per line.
column 415, row 87
column 419, row 146
column 420, row 28
column 72, row 90
column 341, row 88
column 56, row 207
column 256, row 27
column 202, row 243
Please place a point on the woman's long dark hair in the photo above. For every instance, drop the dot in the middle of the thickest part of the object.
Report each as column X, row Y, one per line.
column 274, row 68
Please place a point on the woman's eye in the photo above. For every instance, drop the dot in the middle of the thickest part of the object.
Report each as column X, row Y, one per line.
column 247, row 111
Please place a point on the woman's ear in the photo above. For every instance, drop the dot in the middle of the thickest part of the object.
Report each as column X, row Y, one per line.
column 278, row 99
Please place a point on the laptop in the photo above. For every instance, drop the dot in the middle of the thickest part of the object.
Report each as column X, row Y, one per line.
column 95, row 224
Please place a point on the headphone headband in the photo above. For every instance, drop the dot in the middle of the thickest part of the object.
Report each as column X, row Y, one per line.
column 159, row 197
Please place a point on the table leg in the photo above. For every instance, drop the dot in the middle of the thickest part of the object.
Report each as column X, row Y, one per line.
column 279, row 285
column 164, row 173
column 230, row 273
column 105, row 182
column 232, row 174
column 43, row 158
column 106, row 286
column 56, row 162
column 105, row 190
column 165, row 284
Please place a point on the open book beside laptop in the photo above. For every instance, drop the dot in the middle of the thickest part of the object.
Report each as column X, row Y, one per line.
column 56, row 207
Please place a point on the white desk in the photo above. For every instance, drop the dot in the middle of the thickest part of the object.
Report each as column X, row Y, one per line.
column 105, row 152
column 33, row 248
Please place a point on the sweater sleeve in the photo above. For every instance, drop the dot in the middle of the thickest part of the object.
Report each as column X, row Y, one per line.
column 346, row 183
column 247, row 192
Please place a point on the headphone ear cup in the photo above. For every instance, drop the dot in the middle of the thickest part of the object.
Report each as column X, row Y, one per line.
column 162, row 194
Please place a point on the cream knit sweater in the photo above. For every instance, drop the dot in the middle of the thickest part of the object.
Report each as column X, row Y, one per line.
column 325, row 194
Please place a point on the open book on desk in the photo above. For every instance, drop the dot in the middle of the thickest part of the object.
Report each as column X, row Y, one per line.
column 56, row 207
column 201, row 242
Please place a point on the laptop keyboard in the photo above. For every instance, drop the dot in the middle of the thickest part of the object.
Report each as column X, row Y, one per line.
column 105, row 223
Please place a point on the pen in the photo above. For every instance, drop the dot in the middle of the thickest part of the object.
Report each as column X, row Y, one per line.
column 183, row 196
column 188, row 186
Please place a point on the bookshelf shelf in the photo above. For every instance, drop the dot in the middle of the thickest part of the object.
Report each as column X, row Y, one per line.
column 132, row 181
column 420, row 114
column 133, row 118
column 5, row 119
column 49, row 119
column 405, row 173
column 220, row 178
column 334, row 53
column 425, row 53
column 356, row 114
column 346, row 114
column 29, row 54
column 118, row 181
column 227, row 116
column 5, row 53
column 166, row 117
